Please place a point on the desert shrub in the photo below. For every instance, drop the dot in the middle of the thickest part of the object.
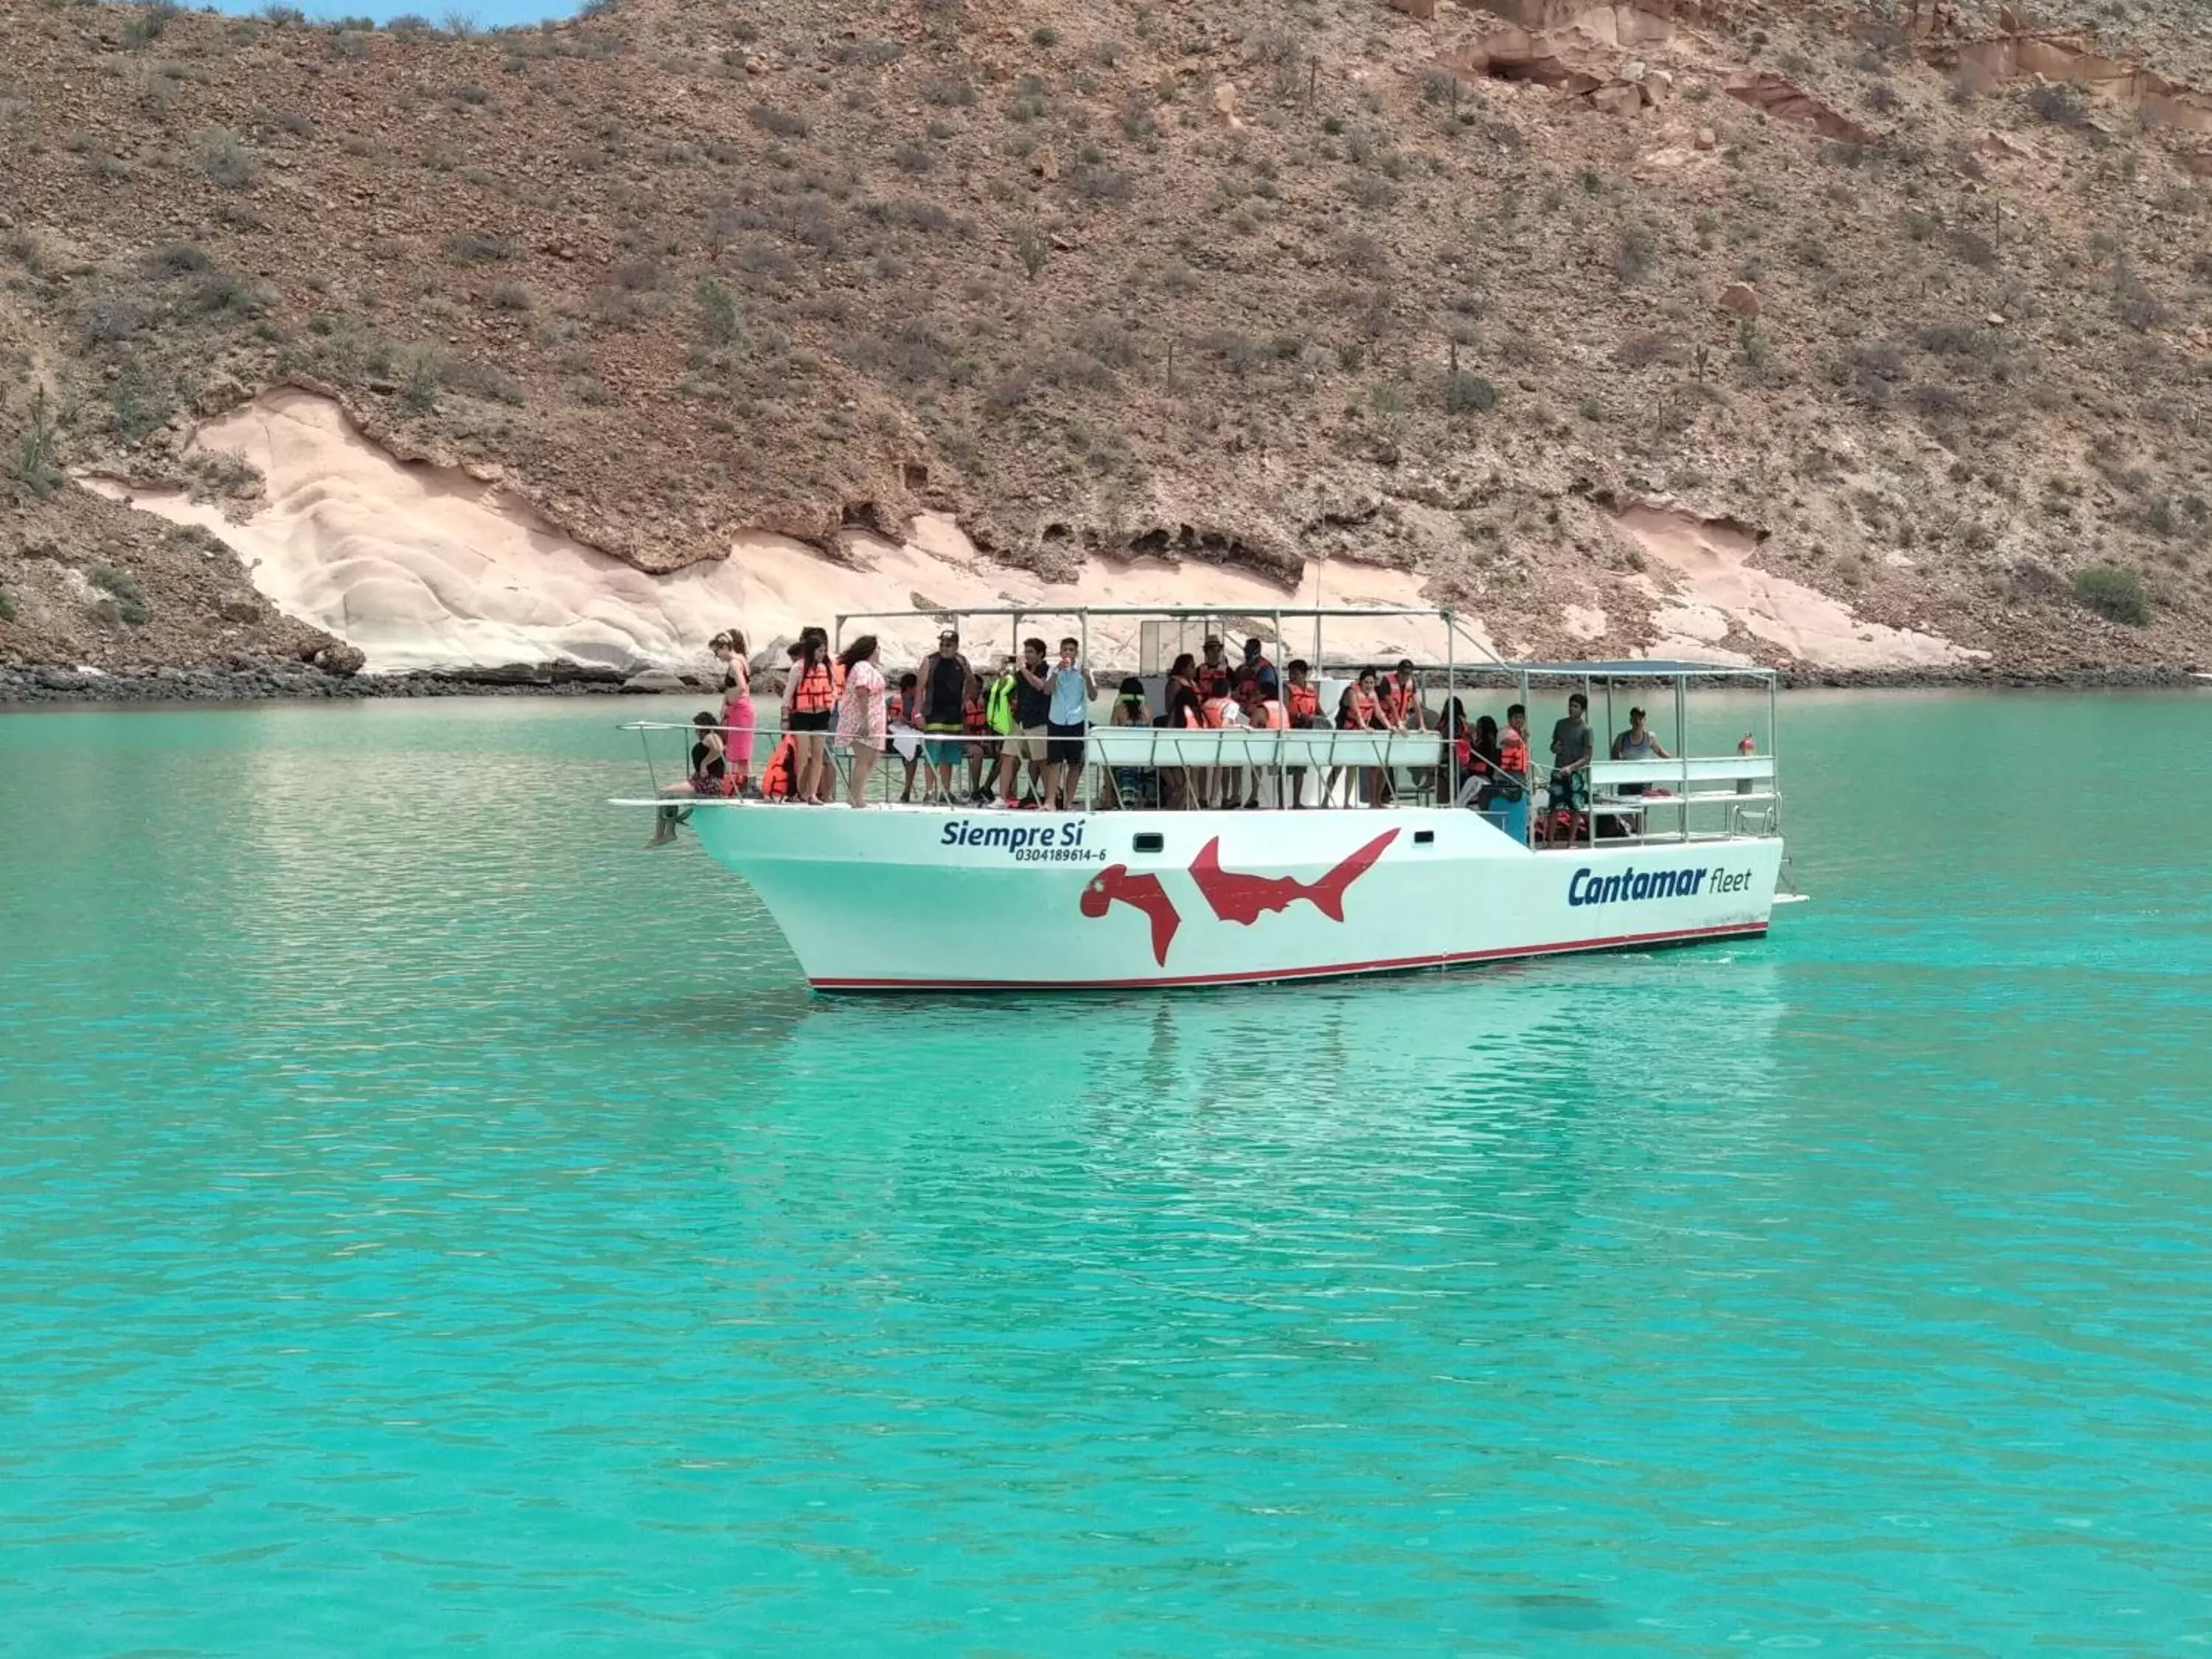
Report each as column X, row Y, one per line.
column 224, row 158
column 2056, row 102
column 1102, row 184
column 1634, row 253
column 149, row 22
column 1237, row 352
column 106, row 321
column 2116, row 594
column 7, row 606
column 1466, row 392
column 421, row 372
column 138, row 403
column 1044, row 35
column 1976, row 249
column 478, row 380
column 282, row 16
column 509, row 296
column 871, row 54
column 215, row 291
column 912, row 158
column 31, row 463
column 473, row 250
column 720, row 323
column 122, row 586
column 949, row 91
column 782, row 122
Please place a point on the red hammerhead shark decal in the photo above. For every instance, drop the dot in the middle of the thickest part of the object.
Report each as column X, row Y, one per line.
column 1241, row 898
column 1142, row 893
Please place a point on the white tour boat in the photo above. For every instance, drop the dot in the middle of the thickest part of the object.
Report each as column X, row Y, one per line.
column 1122, row 893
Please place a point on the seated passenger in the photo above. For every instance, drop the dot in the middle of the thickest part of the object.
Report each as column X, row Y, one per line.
column 1481, row 760
column 901, row 707
column 710, row 775
column 1131, row 708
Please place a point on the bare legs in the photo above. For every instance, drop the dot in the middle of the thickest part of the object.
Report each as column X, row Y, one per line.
column 809, row 768
column 863, row 763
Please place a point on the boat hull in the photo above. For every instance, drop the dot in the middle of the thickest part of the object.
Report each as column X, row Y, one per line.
column 918, row 899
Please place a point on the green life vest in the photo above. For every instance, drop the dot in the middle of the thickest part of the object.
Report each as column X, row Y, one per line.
column 999, row 705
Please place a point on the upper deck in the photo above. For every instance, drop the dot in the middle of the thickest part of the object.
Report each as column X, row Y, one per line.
column 1701, row 783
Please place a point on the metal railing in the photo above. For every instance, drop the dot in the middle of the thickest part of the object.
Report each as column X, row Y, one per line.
column 1707, row 798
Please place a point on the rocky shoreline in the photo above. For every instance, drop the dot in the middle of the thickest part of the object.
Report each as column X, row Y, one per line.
column 277, row 680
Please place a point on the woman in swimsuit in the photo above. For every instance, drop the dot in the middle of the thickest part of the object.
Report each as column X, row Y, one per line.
column 737, row 702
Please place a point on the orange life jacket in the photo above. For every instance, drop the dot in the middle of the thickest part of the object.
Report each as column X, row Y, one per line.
column 1364, row 708
column 1273, row 716
column 1305, row 702
column 1212, row 682
column 1214, row 713
column 775, row 782
column 818, row 690
column 1512, row 752
column 1401, row 702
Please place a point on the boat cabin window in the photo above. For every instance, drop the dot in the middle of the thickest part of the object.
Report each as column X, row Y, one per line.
column 1150, row 843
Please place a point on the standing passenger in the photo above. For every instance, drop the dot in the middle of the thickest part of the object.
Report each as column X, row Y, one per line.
column 1032, row 713
column 1066, row 718
column 946, row 682
column 862, row 722
column 1185, row 712
column 1571, row 759
column 810, row 702
column 1302, row 702
column 1360, row 710
column 736, row 703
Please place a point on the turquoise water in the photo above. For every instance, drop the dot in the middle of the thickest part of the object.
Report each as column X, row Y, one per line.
column 429, row 1219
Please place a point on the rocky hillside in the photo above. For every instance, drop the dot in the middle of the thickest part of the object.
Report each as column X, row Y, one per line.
column 1607, row 320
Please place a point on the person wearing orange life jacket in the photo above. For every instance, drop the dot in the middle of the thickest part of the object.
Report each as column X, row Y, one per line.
column 809, row 705
column 1360, row 709
column 1301, row 709
column 1251, row 683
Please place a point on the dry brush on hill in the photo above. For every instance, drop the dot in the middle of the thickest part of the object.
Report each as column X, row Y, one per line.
column 1417, row 285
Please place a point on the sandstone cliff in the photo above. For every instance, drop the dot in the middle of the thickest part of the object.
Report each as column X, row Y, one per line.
column 1813, row 335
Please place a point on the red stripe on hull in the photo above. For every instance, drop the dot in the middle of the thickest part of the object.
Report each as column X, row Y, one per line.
column 1400, row 964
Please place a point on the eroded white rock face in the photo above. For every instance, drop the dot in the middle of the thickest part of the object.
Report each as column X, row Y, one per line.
column 425, row 567
column 1721, row 587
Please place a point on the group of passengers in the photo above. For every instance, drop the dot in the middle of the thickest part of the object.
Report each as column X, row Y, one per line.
column 944, row 717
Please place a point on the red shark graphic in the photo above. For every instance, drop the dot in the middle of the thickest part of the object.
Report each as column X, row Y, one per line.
column 1142, row 893
column 1242, row 898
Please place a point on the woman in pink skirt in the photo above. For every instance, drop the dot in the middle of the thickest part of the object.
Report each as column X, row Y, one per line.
column 737, row 704
column 863, row 720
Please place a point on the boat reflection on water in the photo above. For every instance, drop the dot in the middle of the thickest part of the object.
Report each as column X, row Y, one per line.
column 1666, row 1043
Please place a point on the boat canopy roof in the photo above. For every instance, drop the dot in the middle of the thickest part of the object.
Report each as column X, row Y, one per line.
column 1486, row 662
column 1633, row 668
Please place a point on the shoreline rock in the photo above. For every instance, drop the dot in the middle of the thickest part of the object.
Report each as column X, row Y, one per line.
column 273, row 680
